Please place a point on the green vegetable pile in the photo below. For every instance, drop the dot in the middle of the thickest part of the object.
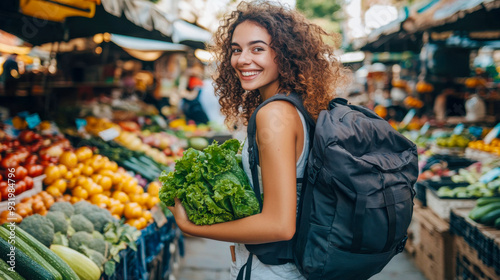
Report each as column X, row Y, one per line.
column 211, row 185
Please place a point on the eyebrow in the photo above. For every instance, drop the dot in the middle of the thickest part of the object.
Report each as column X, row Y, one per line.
column 251, row 43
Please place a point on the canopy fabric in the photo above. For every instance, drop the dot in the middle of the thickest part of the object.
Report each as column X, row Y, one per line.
column 125, row 17
column 145, row 44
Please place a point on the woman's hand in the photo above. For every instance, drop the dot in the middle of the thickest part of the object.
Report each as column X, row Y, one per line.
column 180, row 215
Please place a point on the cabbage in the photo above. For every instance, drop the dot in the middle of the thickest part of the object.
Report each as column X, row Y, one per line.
column 211, row 185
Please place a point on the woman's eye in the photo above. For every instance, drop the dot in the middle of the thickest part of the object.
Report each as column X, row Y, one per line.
column 258, row 49
column 235, row 50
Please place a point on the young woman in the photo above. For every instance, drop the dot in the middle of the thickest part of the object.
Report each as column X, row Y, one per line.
column 264, row 49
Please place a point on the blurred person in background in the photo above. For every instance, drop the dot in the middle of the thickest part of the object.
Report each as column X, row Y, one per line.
column 10, row 75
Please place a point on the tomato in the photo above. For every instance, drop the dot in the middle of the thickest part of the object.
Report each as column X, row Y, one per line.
column 9, row 161
column 20, row 173
column 20, row 187
column 31, row 159
column 34, row 170
column 4, row 190
column 29, row 182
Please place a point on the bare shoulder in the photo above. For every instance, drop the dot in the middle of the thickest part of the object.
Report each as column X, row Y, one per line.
column 277, row 113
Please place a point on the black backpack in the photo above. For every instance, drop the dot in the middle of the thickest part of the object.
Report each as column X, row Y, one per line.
column 356, row 198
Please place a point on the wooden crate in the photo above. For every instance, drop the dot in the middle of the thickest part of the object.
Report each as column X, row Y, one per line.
column 433, row 250
column 443, row 206
column 469, row 265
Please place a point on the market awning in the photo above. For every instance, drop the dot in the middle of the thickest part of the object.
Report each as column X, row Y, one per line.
column 125, row 17
column 145, row 49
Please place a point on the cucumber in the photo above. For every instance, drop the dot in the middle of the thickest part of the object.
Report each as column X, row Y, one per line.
column 28, row 250
column 490, row 217
column 486, row 200
column 24, row 265
column 7, row 274
column 50, row 257
column 478, row 212
column 497, row 223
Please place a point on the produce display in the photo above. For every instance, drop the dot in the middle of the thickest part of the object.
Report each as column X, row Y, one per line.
column 211, row 185
column 487, row 211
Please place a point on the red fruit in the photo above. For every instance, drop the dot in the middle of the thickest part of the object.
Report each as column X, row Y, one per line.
column 29, row 182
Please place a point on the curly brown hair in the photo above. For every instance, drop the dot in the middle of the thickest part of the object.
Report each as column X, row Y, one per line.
column 306, row 63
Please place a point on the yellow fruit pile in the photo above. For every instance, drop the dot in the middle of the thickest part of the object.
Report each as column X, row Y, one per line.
column 83, row 175
column 493, row 147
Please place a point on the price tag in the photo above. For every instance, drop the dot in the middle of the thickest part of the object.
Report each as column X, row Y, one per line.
column 80, row 124
column 492, row 134
column 458, row 129
column 23, row 114
column 158, row 216
column 490, row 175
column 33, row 120
column 425, row 128
column 409, row 116
column 109, row 134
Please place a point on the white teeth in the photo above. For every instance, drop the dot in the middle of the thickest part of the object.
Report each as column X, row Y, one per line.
column 249, row 73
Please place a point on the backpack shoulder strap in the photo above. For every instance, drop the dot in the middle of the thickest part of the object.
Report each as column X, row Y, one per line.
column 253, row 152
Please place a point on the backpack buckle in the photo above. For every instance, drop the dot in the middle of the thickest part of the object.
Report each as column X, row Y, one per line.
column 401, row 245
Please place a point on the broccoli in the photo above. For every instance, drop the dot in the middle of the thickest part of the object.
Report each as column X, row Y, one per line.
column 58, row 219
column 100, row 246
column 97, row 235
column 84, row 206
column 39, row 227
column 60, row 239
column 99, row 217
column 78, row 239
column 96, row 257
column 80, row 223
column 65, row 207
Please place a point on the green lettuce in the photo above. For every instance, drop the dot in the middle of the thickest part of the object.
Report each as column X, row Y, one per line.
column 211, row 185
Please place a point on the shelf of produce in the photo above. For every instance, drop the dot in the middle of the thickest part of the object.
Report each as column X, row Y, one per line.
column 451, row 151
column 482, row 239
column 37, row 187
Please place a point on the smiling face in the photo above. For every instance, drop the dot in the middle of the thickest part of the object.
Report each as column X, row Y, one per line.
column 253, row 59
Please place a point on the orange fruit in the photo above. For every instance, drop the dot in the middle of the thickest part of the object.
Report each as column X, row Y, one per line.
column 117, row 209
column 60, row 184
column 152, row 201
column 69, row 159
column 120, row 196
column 106, row 182
column 83, row 153
column 87, row 170
column 154, row 188
column 95, row 189
column 68, row 176
column 132, row 210
column 54, row 191
column 99, row 199
column 62, row 169
column 80, row 192
column 75, row 199
column 52, row 173
column 116, row 217
column 148, row 216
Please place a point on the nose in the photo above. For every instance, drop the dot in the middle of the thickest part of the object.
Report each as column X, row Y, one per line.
column 244, row 57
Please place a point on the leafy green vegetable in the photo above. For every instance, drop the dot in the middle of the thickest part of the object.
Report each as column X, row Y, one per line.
column 211, row 185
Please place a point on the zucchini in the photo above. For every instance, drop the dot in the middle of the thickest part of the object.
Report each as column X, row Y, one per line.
column 50, row 257
column 28, row 250
column 486, row 200
column 490, row 217
column 6, row 273
column 497, row 223
column 84, row 267
column 478, row 212
column 24, row 265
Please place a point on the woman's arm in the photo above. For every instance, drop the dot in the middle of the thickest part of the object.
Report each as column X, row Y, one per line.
column 277, row 127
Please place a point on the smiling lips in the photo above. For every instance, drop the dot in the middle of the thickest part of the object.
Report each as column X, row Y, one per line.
column 247, row 75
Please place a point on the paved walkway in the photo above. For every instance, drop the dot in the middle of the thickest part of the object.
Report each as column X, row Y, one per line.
column 210, row 260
